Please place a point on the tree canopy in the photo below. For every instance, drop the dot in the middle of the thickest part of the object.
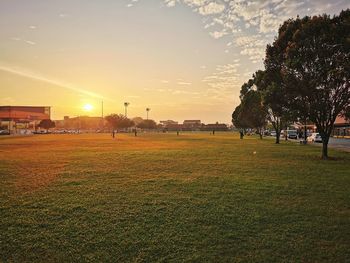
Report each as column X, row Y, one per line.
column 251, row 113
column 118, row 121
column 306, row 76
column 147, row 124
column 47, row 124
column 314, row 58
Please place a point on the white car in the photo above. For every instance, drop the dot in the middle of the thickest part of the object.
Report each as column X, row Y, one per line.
column 314, row 137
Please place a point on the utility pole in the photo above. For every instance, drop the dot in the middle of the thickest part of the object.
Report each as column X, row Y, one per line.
column 102, row 110
column 126, row 104
column 102, row 122
column 147, row 110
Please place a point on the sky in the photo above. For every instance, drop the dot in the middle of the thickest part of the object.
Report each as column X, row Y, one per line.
column 183, row 59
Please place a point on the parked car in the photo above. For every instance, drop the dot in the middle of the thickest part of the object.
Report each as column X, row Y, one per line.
column 273, row 133
column 4, row 132
column 292, row 134
column 314, row 137
column 41, row 132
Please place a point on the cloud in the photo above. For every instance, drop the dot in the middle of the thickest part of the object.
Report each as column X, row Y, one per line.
column 223, row 81
column 34, row 76
column 184, row 83
column 30, row 42
column 211, row 8
column 218, row 34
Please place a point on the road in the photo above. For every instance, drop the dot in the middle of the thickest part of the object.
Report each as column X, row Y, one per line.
column 342, row 144
column 336, row 143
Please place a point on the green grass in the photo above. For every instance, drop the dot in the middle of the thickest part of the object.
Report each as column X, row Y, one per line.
column 162, row 197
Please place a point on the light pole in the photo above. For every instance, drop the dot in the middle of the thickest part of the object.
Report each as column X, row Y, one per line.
column 126, row 104
column 147, row 110
column 102, row 121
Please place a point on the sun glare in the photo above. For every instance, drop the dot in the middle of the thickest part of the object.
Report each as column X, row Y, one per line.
column 88, row 107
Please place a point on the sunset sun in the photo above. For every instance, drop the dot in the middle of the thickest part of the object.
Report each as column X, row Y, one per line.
column 175, row 130
column 88, row 107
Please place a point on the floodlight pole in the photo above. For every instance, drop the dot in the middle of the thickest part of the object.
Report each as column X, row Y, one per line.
column 126, row 104
column 102, row 122
column 147, row 110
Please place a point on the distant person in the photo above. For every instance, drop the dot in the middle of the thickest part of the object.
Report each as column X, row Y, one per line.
column 177, row 132
column 113, row 134
column 213, row 132
column 241, row 134
column 135, row 131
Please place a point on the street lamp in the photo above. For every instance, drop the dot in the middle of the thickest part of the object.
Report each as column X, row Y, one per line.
column 126, row 104
column 147, row 110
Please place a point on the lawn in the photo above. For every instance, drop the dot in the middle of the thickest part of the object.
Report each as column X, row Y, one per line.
column 161, row 197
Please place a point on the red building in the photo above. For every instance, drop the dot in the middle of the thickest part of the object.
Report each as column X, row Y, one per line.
column 341, row 127
column 26, row 117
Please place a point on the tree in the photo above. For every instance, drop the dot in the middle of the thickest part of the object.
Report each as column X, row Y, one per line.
column 251, row 113
column 118, row 121
column 238, row 120
column 346, row 113
column 47, row 124
column 314, row 58
column 147, row 124
column 137, row 120
column 270, row 84
column 254, row 111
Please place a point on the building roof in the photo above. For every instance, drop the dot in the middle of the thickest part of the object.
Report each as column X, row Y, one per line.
column 340, row 121
column 25, row 112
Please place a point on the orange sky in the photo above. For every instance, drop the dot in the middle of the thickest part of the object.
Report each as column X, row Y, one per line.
column 183, row 59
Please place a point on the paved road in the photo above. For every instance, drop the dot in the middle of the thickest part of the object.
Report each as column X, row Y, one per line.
column 341, row 144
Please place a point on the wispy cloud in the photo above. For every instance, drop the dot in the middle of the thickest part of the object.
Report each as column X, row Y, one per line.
column 30, row 42
column 184, row 83
column 35, row 76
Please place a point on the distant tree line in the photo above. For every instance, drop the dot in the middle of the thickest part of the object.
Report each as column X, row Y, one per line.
column 306, row 78
column 120, row 121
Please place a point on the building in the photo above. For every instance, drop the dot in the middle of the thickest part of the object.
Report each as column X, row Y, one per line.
column 171, row 125
column 341, row 127
column 80, row 123
column 17, row 118
column 191, row 125
column 168, row 122
column 214, row 127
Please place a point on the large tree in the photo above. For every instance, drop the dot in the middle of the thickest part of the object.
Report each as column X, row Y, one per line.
column 270, row 84
column 147, row 124
column 254, row 111
column 314, row 59
column 47, row 124
column 118, row 121
column 251, row 113
column 239, row 121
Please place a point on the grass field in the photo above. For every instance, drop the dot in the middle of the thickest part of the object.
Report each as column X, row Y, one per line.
column 162, row 197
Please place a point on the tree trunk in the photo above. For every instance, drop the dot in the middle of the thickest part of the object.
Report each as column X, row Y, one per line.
column 286, row 135
column 325, row 148
column 278, row 137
